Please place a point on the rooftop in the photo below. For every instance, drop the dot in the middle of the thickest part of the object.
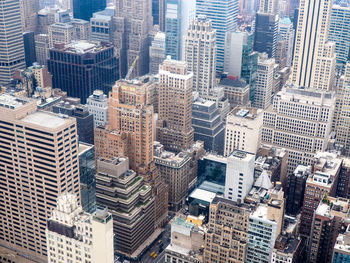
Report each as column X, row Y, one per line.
column 12, row 102
column 84, row 46
column 46, row 119
column 233, row 82
column 203, row 195
column 247, row 113
column 238, row 154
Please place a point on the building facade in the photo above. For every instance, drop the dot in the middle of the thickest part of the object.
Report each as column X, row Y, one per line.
column 266, row 29
column 157, row 52
column 97, row 105
column 173, row 29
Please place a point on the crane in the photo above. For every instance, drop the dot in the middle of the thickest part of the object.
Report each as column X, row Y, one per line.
column 131, row 68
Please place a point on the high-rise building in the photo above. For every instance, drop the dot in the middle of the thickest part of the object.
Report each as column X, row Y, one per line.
column 158, row 13
column 199, row 51
column 173, row 37
column 314, row 57
column 286, row 31
column 339, row 32
column 175, row 170
column 133, row 222
column 157, row 52
column 132, row 24
column 11, row 43
column 174, row 129
column 294, row 108
column 29, row 14
column 83, row 9
column 39, row 161
column 266, row 29
column 234, row 218
column 91, row 66
column 76, row 236
column 243, row 128
column 264, row 85
column 208, row 125
column 130, row 132
column 322, row 181
column 82, row 28
column 42, row 48
column 239, row 175
column 223, row 15
column 236, row 91
column 61, row 33
column 101, row 24
column 328, row 222
column 29, row 48
column 97, row 104
column 265, row 224
column 268, row 6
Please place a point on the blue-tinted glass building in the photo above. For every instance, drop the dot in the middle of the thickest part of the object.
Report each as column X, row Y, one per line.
column 84, row 9
column 87, row 176
column 223, row 14
column 266, row 30
column 173, row 28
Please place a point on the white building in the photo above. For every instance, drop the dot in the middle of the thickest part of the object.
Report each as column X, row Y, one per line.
column 76, row 236
column 300, row 120
column 286, row 31
column 239, row 175
column 199, row 51
column 97, row 104
column 243, row 127
column 264, row 81
column 156, row 52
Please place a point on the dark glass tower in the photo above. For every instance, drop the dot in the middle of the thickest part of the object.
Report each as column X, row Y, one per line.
column 266, row 29
column 84, row 9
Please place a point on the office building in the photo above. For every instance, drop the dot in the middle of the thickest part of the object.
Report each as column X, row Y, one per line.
column 212, row 172
column 294, row 108
column 344, row 180
column 286, row 31
column 239, row 175
column 339, row 32
column 83, row 9
column 50, row 15
column 29, row 48
column 228, row 222
column 97, row 105
column 322, row 181
column 236, row 91
column 132, row 24
column 288, row 249
column 223, row 15
column 265, row 224
column 199, row 51
column 208, row 125
column 186, row 243
column 296, row 189
column 11, row 43
column 87, row 172
column 280, row 55
column 61, row 33
column 341, row 248
column 264, row 86
column 174, row 128
column 157, row 52
column 175, row 170
column 243, row 127
column 328, row 222
column 314, row 57
column 82, row 28
column 101, row 24
column 76, row 236
column 42, row 48
column 133, row 222
column 268, row 6
column 130, row 132
column 95, row 61
column 266, row 29
column 85, row 120
column 29, row 14
column 173, row 37
column 50, row 156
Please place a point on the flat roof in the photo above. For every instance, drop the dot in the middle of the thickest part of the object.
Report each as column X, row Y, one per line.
column 203, row 195
column 12, row 102
column 45, row 119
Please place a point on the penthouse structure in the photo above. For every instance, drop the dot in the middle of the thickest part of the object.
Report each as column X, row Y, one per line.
column 322, row 181
column 91, row 66
column 129, row 200
column 243, row 127
column 294, row 108
column 76, row 236
column 341, row 251
column 38, row 162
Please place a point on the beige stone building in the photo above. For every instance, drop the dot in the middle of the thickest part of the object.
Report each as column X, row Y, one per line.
column 174, row 125
column 38, row 162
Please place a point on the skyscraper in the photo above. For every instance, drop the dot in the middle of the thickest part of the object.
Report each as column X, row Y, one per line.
column 314, row 57
column 174, row 129
column 286, row 31
column 157, row 52
column 223, row 14
column 339, row 32
column 83, row 9
column 199, row 51
column 173, row 28
column 266, row 29
column 11, row 42
column 133, row 22
column 268, row 6
column 38, row 162
column 29, row 14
